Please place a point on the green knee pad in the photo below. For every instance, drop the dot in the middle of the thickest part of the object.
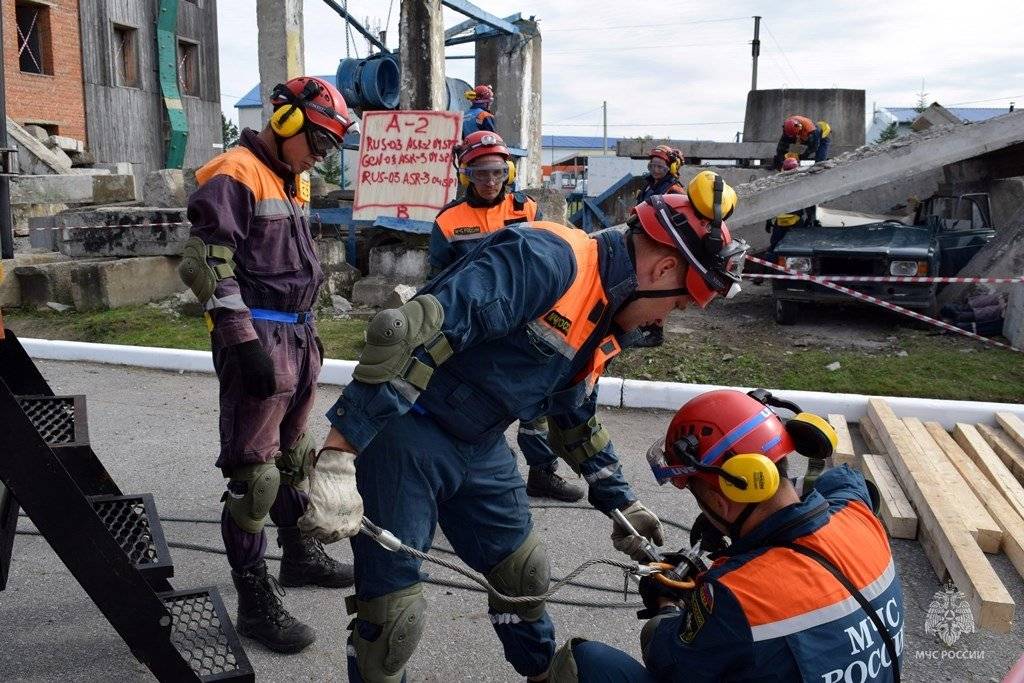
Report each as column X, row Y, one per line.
column 576, row 444
column 401, row 616
column 526, row 571
column 252, row 489
column 563, row 665
column 291, row 462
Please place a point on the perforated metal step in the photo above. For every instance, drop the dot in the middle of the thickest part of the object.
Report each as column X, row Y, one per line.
column 60, row 420
column 202, row 633
column 134, row 524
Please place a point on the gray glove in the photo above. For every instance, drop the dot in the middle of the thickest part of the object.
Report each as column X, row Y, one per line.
column 646, row 523
column 335, row 508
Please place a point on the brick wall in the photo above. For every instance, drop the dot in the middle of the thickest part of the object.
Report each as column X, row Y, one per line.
column 56, row 99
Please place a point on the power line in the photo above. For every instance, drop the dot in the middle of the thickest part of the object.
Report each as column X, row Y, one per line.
column 783, row 53
column 569, row 118
column 616, row 28
column 646, row 125
column 994, row 99
column 671, row 46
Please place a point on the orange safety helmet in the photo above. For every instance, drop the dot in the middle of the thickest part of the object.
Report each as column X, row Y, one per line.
column 478, row 144
column 732, row 440
column 673, row 158
column 797, row 127
column 310, row 100
column 713, row 257
column 483, row 94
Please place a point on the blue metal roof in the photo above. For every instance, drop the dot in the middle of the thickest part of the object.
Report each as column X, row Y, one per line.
column 968, row 114
column 576, row 141
column 252, row 98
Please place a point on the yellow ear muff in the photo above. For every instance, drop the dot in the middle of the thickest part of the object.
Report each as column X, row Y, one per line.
column 813, row 436
column 287, row 121
column 674, row 168
column 760, row 473
column 463, row 179
column 511, row 172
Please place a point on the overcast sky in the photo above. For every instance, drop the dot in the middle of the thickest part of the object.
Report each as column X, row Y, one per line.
column 682, row 70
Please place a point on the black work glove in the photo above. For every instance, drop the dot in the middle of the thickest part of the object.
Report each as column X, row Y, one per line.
column 257, row 369
column 651, row 590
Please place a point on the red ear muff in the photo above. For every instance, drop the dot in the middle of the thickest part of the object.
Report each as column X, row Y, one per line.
column 813, row 437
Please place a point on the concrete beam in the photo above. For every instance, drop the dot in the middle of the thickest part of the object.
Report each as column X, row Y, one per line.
column 279, row 45
column 705, row 149
column 35, row 157
column 512, row 64
column 474, row 12
column 875, row 167
column 421, row 59
column 72, row 189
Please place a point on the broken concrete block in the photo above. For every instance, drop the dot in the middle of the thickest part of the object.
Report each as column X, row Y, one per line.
column 21, row 214
column 188, row 176
column 832, row 367
column 371, row 291
column 34, row 157
column 10, row 288
column 551, row 203
column 339, row 279
column 165, row 188
column 101, row 285
column 60, row 308
column 1013, row 321
column 115, row 231
column 330, row 251
column 44, row 282
column 399, row 263
column 116, row 168
column 68, row 145
column 340, row 306
column 111, row 189
column 399, row 296
column 935, row 115
column 38, row 132
column 72, row 188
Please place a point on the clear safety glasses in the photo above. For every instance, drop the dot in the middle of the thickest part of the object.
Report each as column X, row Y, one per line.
column 656, row 166
column 321, row 143
column 662, row 471
column 486, row 174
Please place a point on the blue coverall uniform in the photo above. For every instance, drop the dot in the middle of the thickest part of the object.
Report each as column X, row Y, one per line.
column 476, row 118
column 669, row 184
column 441, row 456
column 763, row 612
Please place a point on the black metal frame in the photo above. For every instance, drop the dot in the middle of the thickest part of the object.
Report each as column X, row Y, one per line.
column 60, row 487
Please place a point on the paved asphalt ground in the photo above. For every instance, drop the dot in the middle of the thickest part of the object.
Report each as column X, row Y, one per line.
column 156, row 432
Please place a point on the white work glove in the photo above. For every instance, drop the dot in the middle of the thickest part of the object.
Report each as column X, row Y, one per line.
column 646, row 523
column 335, row 508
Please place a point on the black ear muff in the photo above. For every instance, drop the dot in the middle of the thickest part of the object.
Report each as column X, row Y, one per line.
column 812, row 436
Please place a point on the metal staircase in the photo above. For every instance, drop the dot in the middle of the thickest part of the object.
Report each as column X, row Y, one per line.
column 111, row 542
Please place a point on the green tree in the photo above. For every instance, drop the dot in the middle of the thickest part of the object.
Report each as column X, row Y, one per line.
column 229, row 130
column 922, row 100
column 890, row 132
column 330, row 170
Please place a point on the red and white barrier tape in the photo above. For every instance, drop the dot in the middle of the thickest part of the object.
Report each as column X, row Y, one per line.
column 923, row 280
column 110, row 227
column 885, row 304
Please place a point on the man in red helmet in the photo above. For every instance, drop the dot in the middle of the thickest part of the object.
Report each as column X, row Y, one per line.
column 841, row 615
column 814, row 139
column 486, row 169
column 252, row 264
column 520, row 328
column 662, row 178
column 478, row 116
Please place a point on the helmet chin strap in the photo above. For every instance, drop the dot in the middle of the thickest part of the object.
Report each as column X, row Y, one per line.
column 734, row 527
column 647, row 293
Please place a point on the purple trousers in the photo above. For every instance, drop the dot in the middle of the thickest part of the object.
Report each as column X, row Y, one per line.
column 255, row 430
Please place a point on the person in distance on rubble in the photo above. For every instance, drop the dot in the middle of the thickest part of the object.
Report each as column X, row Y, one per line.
column 815, row 140
column 839, row 615
column 521, row 327
column 478, row 116
column 486, row 170
column 252, row 263
column 662, row 178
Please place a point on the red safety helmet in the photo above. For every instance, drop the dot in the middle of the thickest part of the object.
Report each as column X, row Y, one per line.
column 789, row 163
column 715, row 426
column 667, row 154
column 319, row 102
column 481, row 93
column 479, row 144
column 797, row 127
column 714, row 258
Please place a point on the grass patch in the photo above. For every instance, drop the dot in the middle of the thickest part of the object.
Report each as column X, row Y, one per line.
column 934, row 367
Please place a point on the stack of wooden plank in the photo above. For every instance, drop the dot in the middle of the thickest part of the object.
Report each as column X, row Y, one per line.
column 960, row 493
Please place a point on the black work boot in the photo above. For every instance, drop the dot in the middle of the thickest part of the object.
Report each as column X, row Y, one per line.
column 543, row 482
column 305, row 563
column 262, row 616
column 654, row 335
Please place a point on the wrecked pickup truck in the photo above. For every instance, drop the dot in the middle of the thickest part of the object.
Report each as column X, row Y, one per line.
column 945, row 234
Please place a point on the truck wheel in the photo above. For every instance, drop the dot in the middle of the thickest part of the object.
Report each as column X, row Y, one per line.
column 785, row 312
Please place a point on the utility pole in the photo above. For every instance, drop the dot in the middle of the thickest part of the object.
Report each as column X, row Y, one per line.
column 604, row 118
column 6, row 225
column 755, row 51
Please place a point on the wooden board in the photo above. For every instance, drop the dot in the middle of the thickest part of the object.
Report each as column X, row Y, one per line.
column 895, row 510
column 970, row 570
column 844, row 447
column 1013, row 425
column 989, row 463
column 979, row 522
column 1006, row 448
column 870, row 436
column 1011, row 523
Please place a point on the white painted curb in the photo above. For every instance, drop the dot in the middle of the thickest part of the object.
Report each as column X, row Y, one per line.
column 612, row 391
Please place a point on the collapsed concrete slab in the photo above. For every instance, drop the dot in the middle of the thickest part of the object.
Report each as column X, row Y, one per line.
column 873, row 166
column 41, row 283
column 34, row 156
column 165, row 188
column 1003, row 256
column 371, row 291
column 113, row 231
column 10, row 287
column 72, row 188
column 101, row 285
column 935, row 115
column 399, row 263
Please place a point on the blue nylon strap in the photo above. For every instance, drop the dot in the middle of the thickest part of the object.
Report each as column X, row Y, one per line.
column 280, row 316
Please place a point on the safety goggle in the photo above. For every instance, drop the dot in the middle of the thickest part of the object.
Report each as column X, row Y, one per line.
column 657, row 166
column 662, row 471
column 321, row 143
column 486, row 173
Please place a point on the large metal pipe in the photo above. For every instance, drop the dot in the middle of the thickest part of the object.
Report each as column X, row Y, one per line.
column 6, row 224
column 373, row 83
